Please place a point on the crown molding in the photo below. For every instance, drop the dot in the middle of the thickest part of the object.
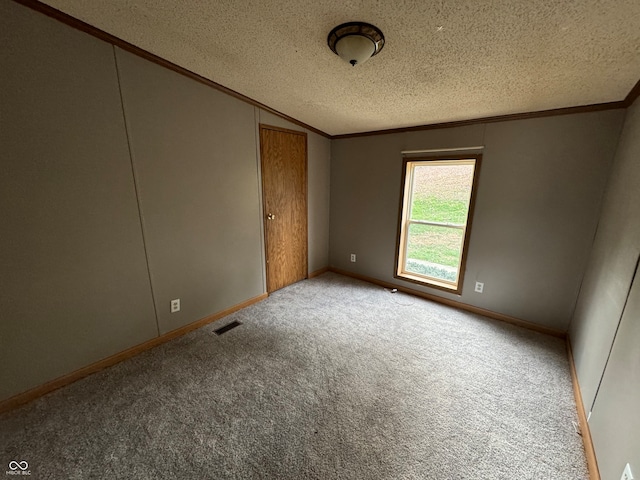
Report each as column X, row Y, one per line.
column 633, row 95
column 500, row 118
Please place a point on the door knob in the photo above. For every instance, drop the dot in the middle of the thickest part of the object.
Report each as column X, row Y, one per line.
column 270, row 216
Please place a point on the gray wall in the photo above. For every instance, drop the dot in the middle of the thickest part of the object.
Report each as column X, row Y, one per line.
column 74, row 280
column 615, row 420
column 194, row 152
column 539, row 194
column 107, row 161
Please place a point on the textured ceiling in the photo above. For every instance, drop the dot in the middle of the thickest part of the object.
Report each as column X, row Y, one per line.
column 444, row 60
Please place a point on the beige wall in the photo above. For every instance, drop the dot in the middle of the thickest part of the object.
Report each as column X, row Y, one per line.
column 539, row 193
column 608, row 304
column 78, row 119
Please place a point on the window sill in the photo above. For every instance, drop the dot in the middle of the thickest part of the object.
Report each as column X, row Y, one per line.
column 430, row 282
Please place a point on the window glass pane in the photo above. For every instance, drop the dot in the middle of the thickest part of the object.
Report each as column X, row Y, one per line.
column 434, row 251
column 433, row 226
column 441, row 193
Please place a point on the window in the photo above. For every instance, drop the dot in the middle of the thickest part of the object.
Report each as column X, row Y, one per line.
column 435, row 221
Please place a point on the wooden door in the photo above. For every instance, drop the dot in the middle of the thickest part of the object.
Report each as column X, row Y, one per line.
column 284, row 191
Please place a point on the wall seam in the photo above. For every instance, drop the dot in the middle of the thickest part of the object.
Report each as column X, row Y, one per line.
column 137, row 191
column 615, row 335
column 600, row 208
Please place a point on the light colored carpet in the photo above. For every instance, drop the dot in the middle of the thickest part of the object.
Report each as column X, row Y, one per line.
column 330, row 378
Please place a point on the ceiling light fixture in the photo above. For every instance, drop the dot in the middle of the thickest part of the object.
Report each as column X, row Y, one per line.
column 355, row 42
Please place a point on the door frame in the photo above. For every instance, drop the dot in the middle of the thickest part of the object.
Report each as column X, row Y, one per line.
column 264, row 126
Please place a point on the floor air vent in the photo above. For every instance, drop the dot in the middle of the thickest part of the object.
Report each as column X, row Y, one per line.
column 226, row 328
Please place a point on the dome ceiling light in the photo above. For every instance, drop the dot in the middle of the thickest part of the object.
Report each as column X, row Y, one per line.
column 355, row 42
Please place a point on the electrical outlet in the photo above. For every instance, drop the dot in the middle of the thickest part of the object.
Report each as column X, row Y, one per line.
column 175, row 305
column 627, row 475
column 353, row 257
column 479, row 287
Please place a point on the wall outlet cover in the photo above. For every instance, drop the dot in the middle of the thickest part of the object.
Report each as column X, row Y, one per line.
column 353, row 257
column 627, row 475
column 175, row 305
column 479, row 287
